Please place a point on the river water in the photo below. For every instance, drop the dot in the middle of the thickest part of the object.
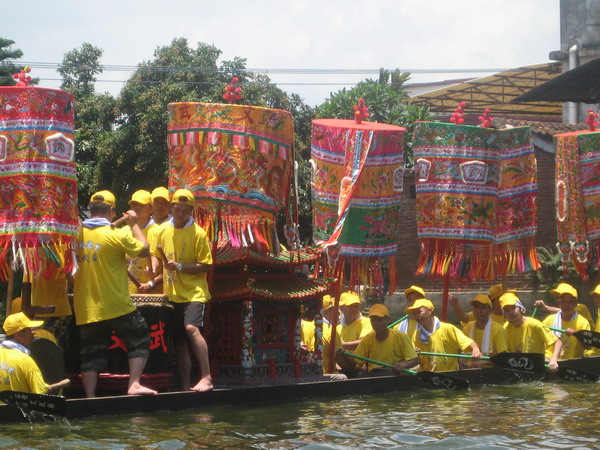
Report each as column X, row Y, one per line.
column 533, row 415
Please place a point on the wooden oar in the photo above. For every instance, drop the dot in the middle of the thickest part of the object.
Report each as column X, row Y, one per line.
column 433, row 379
column 528, row 362
column 586, row 337
column 46, row 404
column 133, row 280
column 392, row 325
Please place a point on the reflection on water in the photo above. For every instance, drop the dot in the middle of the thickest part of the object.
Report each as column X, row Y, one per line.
column 524, row 416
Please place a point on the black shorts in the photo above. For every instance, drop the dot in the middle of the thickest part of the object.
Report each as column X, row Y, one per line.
column 190, row 313
column 95, row 339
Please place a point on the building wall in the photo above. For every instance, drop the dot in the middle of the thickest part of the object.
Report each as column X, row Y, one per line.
column 409, row 247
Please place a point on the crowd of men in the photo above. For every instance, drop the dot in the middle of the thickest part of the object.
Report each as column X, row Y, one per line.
column 497, row 323
column 160, row 250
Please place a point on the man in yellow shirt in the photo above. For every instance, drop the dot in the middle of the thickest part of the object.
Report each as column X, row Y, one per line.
column 354, row 326
column 101, row 299
column 525, row 334
column 382, row 344
column 489, row 335
column 567, row 319
column 435, row 336
column 494, row 293
column 581, row 309
column 409, row 324
column 139, row 268
column 186, row 248
column 18, row 371
column 595, row 294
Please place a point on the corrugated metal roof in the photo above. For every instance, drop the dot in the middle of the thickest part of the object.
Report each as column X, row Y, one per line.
column 496, row 92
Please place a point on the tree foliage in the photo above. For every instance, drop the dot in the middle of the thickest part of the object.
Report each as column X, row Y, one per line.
column 7, row 68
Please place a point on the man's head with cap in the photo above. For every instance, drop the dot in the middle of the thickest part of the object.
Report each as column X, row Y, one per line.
column 141, row 203
column 482, row 307
column 564, row 289
column 596, row 295
column 567, row 299
column 350, row 306
column 421, row 310
column 512, row 307
column 102, row 204
column 413, row 293
column 182, row 206
column 161, row 204
column 379, row 316
column 18, row 327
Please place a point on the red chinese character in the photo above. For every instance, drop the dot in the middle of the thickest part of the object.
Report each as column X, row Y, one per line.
column 117, row 343
column 158, row 336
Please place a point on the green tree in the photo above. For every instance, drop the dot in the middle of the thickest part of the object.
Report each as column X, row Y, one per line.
column 95, row 115
column 386, row 101
column 7, row 68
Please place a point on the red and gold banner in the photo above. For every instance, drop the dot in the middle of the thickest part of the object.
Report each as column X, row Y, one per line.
column 38, row 183
column 237, row 160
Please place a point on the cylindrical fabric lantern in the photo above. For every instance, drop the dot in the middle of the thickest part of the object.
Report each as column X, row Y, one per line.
column 578, row 197
column 237, row 160
column 476, row 192
column 38, row 183
column 357, row 175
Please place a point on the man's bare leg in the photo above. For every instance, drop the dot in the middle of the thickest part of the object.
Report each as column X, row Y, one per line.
column 184, row 363
column 200, row 349
column 89, row 379
column 136, row 367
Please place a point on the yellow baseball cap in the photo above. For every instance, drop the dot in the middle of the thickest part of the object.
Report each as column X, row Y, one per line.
column 349, row 298
column 184, row 197
column 142, row 197
column 161, row 192
column 328, row 301
column 495, row 291
column 379, row 310
column 483, row 299
column 596, row 290
column 19, row 321
column 509, row 299
column 564, row 288
column 418, row 304
column 105, row 197
column 414, row 288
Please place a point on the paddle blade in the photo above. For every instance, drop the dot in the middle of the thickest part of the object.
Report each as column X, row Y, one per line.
column 570, row 374
column 443, row 381
column 46, row 404
column 591, row 338
column 527, row 362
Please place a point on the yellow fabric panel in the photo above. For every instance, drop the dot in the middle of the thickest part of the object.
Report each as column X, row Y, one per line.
column 572, row 348
column 19, row 372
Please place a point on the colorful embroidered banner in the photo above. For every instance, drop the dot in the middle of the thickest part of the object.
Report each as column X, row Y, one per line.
column 577, row 196
column 357, row 186
column 38, row 183
column 476, row 191
column 237, row 160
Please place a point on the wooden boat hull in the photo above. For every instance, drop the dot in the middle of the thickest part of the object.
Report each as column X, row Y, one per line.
column 79, row 408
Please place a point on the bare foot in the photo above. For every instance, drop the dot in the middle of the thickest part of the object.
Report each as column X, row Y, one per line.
column 138, row 389
column 204, row 385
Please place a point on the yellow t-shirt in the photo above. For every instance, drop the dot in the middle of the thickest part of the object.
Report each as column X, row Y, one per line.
column 356, row 330
column 498, row 337
column 50, row 291
column 411, row 326
column 395, row 348
column 594, row 351
column 308, row 334
column 186, row 246
column 446, row 339
column 572, row 348
column 100, row 291
column 327, row 328
column 531, row 337
column 583, row 311
column 19, row 372
column 137, row 266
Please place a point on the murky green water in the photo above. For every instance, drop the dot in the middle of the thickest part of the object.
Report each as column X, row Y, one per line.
column 525, row 416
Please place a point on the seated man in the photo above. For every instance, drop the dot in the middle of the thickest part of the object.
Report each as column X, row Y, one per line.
column 18, row 371
column 594, row 351
column 383, row 344
column 354, row 326
column 581, row 309
column 568, row 319
column 489, row 334
column 525, row 334
column 434, row 336
column 412, row 294
column 494, row 293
